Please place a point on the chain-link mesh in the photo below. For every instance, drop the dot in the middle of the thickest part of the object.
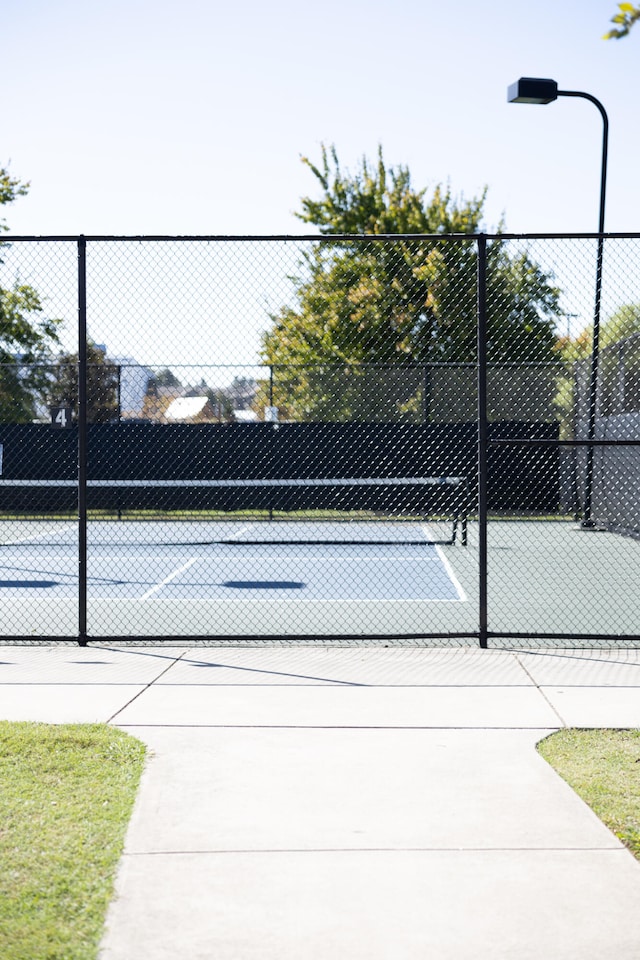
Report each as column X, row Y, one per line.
column 282, row 439
column 38, row 319
column 558, row 567
column 283, row 463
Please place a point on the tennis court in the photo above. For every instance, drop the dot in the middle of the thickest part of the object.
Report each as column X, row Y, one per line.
column 149, row 579
column 225, row 578
column 420, row 461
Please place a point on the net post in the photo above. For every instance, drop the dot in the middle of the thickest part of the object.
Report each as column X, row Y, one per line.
column 426, row 393
column 465, row 515
column 82, row 442
column 482, row 440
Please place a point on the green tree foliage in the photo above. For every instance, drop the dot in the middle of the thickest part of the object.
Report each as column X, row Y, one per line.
column 627, row 15
column 242, row 391
column 10, row 188
column 166, row 378
column 575, row 353
column 221, row 403
column 218, row 398
column 624, row 323
column 410, row 300
column 26, row 334
column 102, row 385
column 375, row 200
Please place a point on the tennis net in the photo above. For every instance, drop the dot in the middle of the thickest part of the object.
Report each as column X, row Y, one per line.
column 370, row 510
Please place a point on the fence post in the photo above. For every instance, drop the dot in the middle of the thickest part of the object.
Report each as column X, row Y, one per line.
column 588, row 522
column 82, row 442
column 270, row 434
column 482, row 440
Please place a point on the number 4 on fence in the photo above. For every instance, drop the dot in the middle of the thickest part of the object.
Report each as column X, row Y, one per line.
column 61, row 416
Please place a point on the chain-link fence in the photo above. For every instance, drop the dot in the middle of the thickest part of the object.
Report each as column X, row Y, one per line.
column 380, row 439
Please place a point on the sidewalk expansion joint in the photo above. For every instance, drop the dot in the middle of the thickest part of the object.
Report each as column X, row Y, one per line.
column 335, row 726
column 146, row 687
column 287, row 850
column 540, row 690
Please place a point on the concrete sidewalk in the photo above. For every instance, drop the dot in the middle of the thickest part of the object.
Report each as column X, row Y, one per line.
column 359, row 804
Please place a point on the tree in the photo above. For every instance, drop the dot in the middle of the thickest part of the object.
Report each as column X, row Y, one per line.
column 102, row 385
column 221, row 402
column 242, row 391
column 220, row 399
column 166, row 378
column 624, row 323
column 10, row 188
column 576, row 352
column 26, row 335
column 398, row 302
column 627, row 15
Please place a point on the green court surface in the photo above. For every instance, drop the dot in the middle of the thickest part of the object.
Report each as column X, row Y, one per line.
column 544, row 577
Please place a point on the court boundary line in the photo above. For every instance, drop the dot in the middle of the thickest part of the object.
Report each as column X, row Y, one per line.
column 245, row 600
column 462, row 596
column 169, row 578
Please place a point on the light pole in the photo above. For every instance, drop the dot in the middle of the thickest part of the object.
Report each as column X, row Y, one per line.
column 536, row 90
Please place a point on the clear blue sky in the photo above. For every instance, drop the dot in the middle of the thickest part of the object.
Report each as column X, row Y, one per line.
column 190, row 116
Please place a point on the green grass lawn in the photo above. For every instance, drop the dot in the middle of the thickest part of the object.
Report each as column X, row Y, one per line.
column 66, row 795
column 603, row 767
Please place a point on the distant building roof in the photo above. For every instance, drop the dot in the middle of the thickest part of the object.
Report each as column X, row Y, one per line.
column 189, row 408
column 245, row 416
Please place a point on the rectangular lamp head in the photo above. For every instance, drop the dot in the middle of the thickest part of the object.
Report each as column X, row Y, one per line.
column 532, row 90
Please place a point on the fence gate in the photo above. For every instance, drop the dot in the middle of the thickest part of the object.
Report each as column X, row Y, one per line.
column 399, row 439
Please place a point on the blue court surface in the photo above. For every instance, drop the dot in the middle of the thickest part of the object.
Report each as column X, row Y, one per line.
column 284, row 571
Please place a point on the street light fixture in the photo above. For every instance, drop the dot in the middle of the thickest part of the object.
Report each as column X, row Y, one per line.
column 532, row 90
column 540, row 91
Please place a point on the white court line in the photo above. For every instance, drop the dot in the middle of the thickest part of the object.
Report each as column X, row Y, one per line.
column 238, row 533
column 331, row 601
column 447, row 566
column 454, row 580
column 175, row 573
column 36, row 536
column 462, row 597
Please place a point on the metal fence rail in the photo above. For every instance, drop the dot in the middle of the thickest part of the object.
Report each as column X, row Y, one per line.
column 400, row 439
